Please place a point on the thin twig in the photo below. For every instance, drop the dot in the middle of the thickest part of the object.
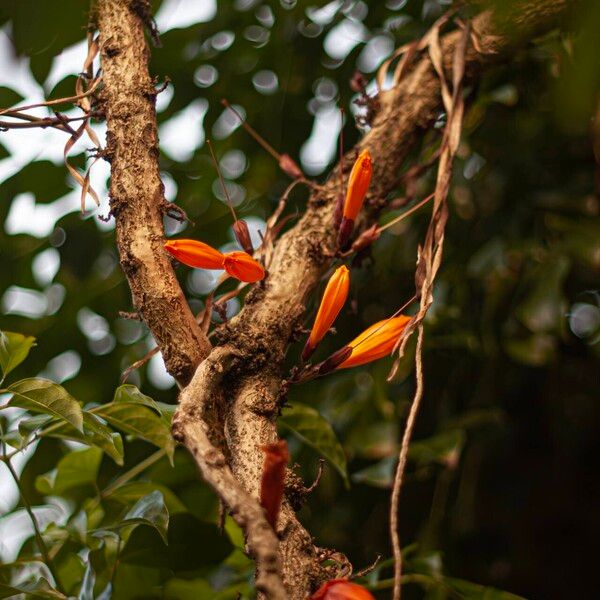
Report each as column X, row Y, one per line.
column 43, row 122
column 38, row 534
column 408, row 431
column 409, row 212
column 276, row 155
column 90, row 91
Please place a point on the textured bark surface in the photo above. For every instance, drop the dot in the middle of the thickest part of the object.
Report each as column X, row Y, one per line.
column 247, row 387
column 136, row 192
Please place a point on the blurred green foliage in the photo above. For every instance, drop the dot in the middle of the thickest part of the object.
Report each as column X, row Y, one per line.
column 502, row 479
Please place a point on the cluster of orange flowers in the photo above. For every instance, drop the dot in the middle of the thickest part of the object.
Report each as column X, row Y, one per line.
column 375, row 342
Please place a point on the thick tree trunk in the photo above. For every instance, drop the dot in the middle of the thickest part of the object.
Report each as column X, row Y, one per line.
column 136, row 192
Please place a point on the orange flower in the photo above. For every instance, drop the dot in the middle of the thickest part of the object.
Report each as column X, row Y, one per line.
column 375, row 342
column 243, row 267
column 195, row 254
column 334, row 297
column 341, row 589
column 273, row 479
column 358, row 184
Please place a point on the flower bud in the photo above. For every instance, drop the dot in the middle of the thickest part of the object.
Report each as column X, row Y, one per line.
column 273, row 479
column 242, row 235
column 341, row 589
column 333, row 300
column 358, row 184
column 195, row 254
column 289, row 166
column 375, row 342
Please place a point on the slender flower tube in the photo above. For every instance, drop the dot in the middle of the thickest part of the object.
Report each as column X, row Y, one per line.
column 243, row 267
column 341, row 589
column 375, row 342
column 333, row 300
column 195, row 254
column 273, row 479
column 358, row 184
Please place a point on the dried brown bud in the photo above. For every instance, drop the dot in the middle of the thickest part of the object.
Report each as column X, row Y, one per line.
column 290, row 167
column 242, row 235
column 273, row 479
column 366, row 238
column 358, row 83
column 345, row 231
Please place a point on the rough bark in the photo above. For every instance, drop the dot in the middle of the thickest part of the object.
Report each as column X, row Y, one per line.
column 191, row 427
column 136, row 192
column 247, row 388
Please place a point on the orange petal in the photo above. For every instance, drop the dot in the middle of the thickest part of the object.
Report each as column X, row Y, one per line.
column 273, row 479
column 375, row 342
column 341, row 589
column 243, row 267
column 358, row 184
column 195, row 254
column 333, row 300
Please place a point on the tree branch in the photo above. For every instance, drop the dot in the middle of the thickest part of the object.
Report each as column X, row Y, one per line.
column 192, row 427
column 136, row 192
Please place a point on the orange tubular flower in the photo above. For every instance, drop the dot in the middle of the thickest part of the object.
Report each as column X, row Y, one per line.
column 195, row 254
column 341, row 589
column 243, row 267
column 334, row 297
column 273, row 479
column 358, row 184
column 375, row 342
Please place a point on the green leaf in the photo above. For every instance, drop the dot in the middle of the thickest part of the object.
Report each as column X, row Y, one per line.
column 309, row 426
column 42, row 178
column 146, row 548
column 129, row 393
column 14, row 348
column 86, row 592
column 44, row 396
column 75, row 469
column 38, row 589
column 138, row 415
column 378, row 475
column 9, row 98
column 444, row 448
column 149, row 510
column 474, row 591
column 95, row 433
column 192, row 589
column 188, row 589
column 131, row 492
